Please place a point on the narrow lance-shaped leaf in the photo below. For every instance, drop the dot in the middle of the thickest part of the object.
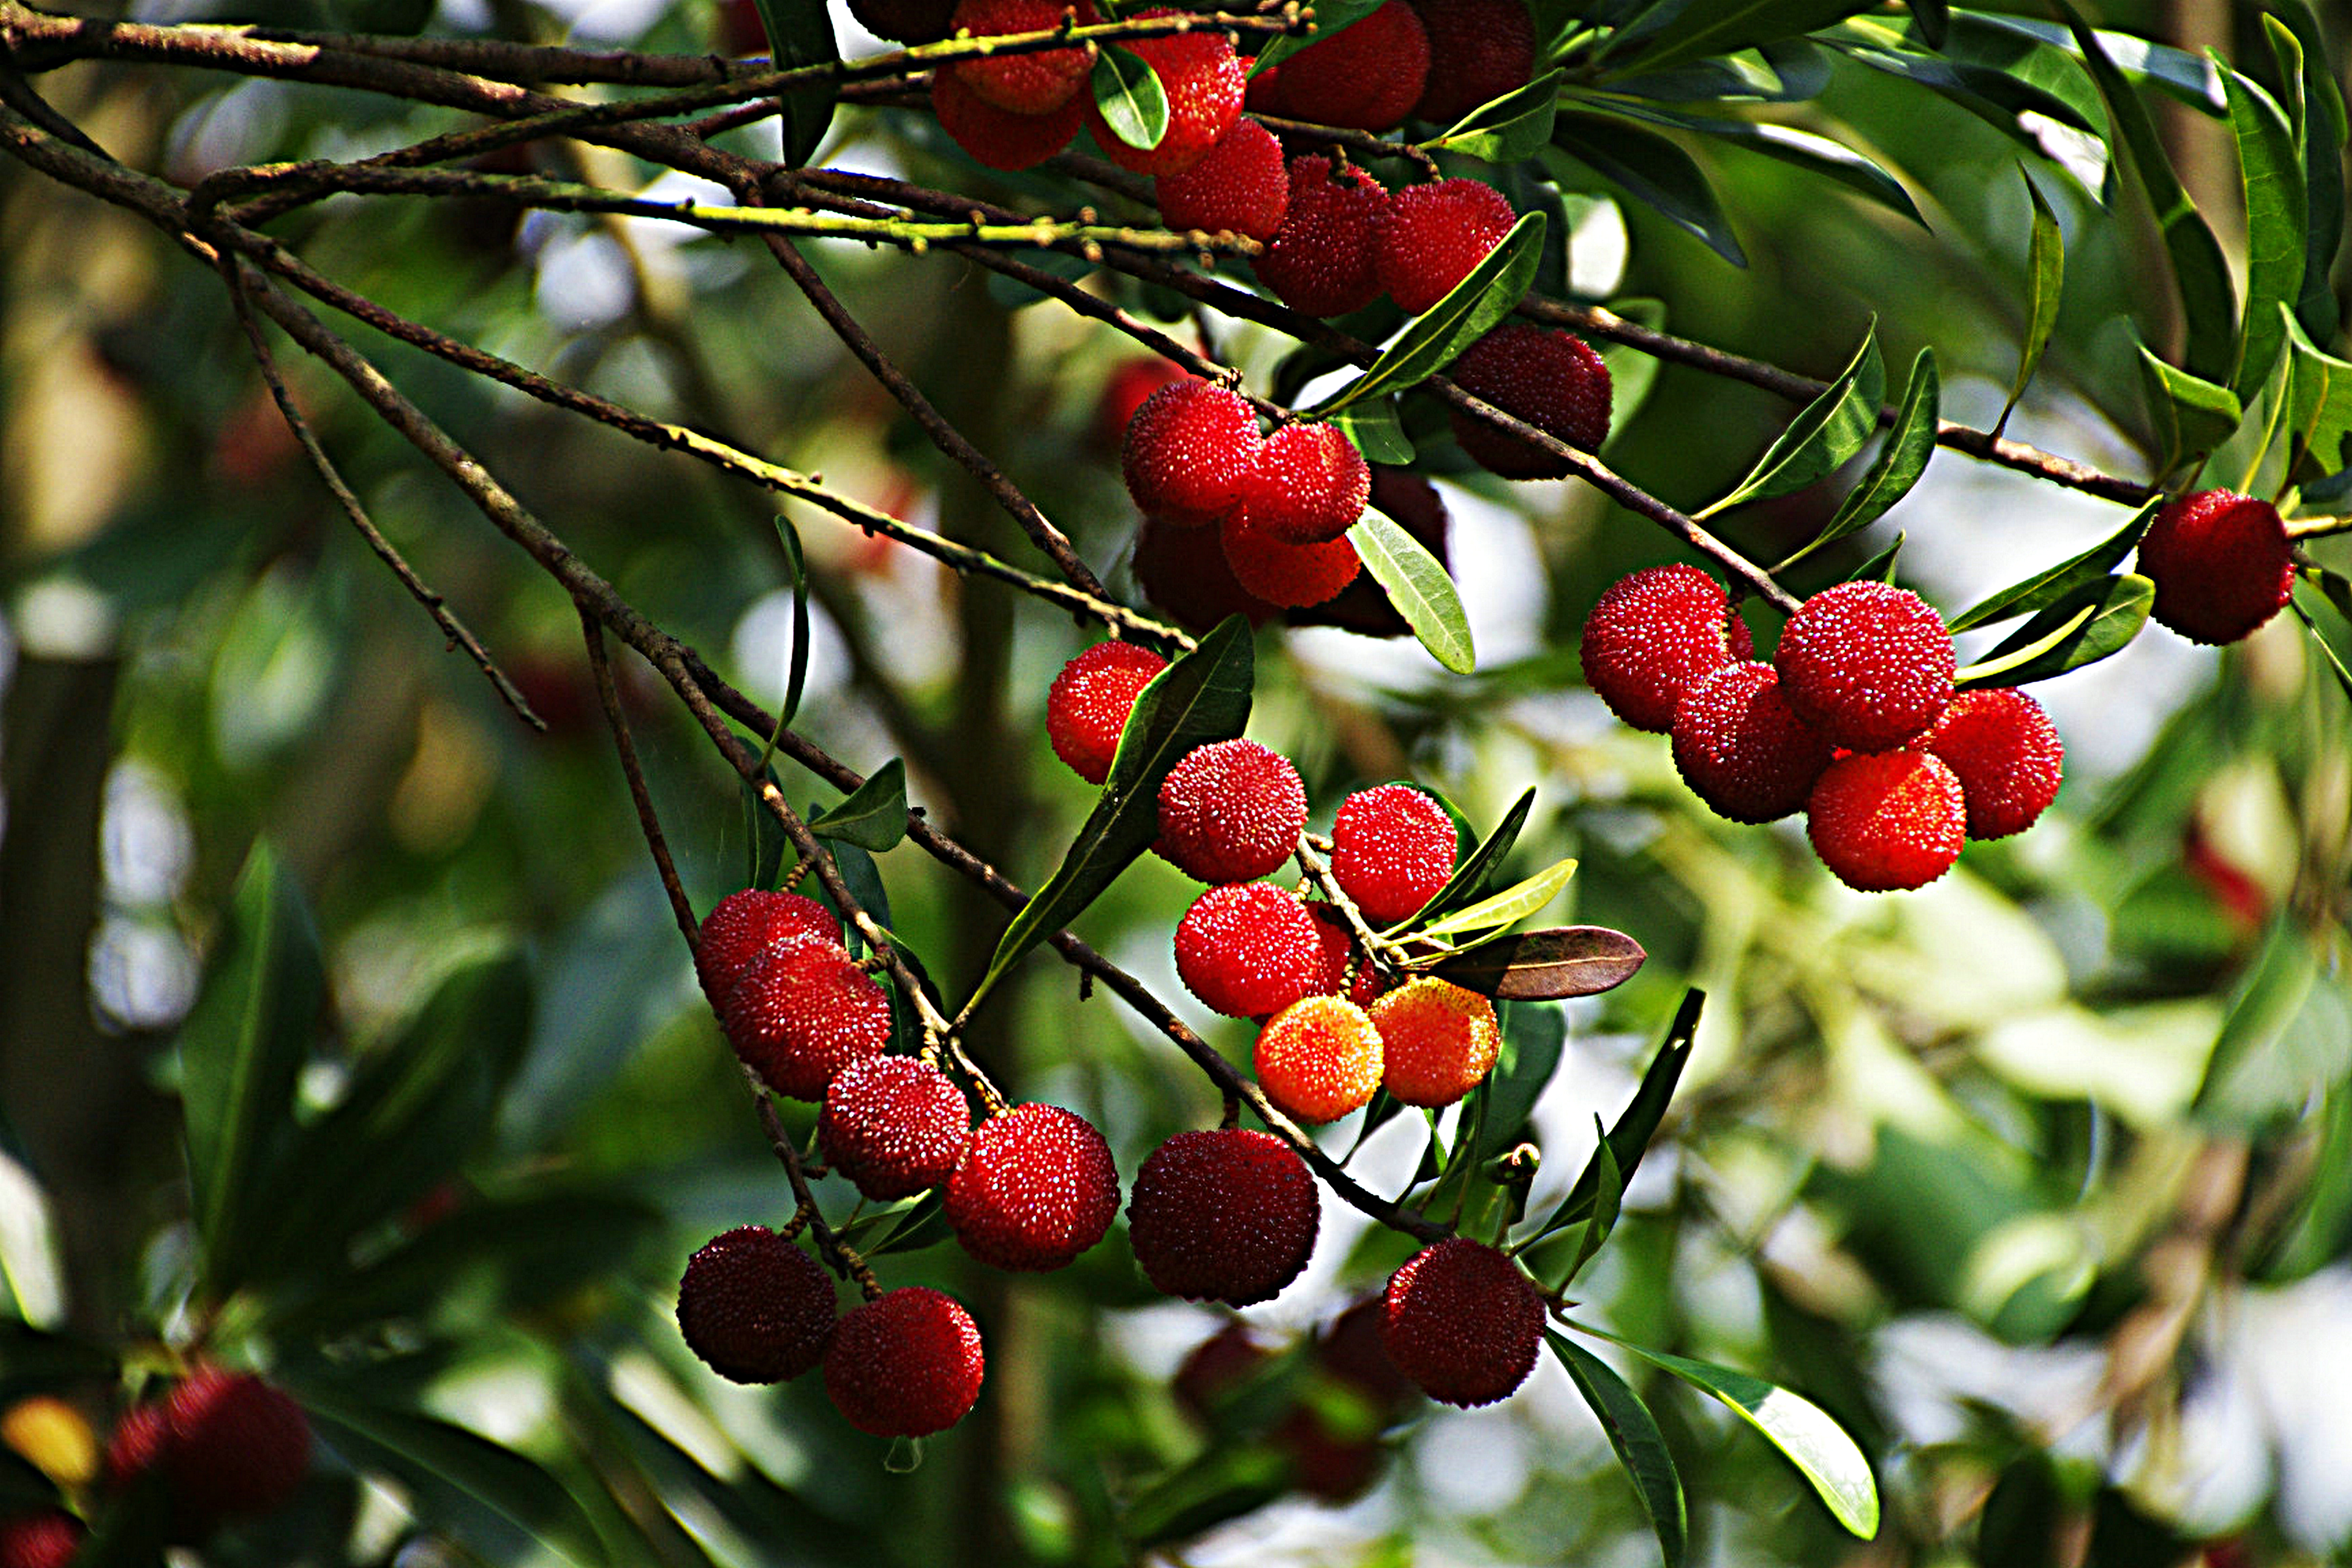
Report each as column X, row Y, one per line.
column 2319, row 402
column 1935, row 19
column 800, row 33
column 1900, row 461
column 1469, row 311
column 1510, row 128
column 2097, row 620
column 1534, row 1035
column 1419, row 587
column 1509, row 907
column 1785, row 143
column 1830, row 429
column 1373, row 427
column 2044, row 589
column 1653, row 170
column 1543, row 965
column 2192, row 415
column 2270, row 171
column 1477, row 871
column 1638, row 1123
column 764, row 844
column 1332, row 17
column 1704, row 27
column 1608, row 1200
column 2335, row 661
column 873, row 817
column 1880, row 568
column 2316, row 105
column 1640, row 1446
column 797, row 665
column 2045, row 282
column 1128, row 95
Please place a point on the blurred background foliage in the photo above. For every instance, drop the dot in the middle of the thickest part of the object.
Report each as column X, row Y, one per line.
column 2039, row 1180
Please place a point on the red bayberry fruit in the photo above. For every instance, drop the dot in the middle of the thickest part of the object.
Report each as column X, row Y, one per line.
column 1742, row 749
column 1870, row 663
column 1463, row 1323
column 1228, row 1216
column 2006, row 755
column 1310, row 487
column 1654, row 635
column 1020, row 84
column 1291, row 576
column 1319, row 1058
column 1231, row 812
column 1429, row 237
column 905, row 1364
column 135, row 1445
column 1124, row 390
column 1090, row 702
column 1392, row 848
column 1550, row 379
column 1367, row 76
column 1338, row 949
column 904, row 21
column 1349, row 1348
column 1478, row 50
column 1217, row 1364
column 1438, row 1041
column 1204, row 81
column 1193, row 585
column 802, row 1012
column 1410, row 502
column 1321, row 261
column 1247, row 949
column 2222, row 562
column 1190, row 452
column 743, row 925
column 893, row 1125
column 996, row 137
column 1239, row 184
column 232, row 1445
column 1036, row 1187
column 754, row 1308
column 1888, row 821
column 45, row 1539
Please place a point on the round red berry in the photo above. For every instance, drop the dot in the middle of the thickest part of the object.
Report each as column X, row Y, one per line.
column 1228, row 1216
column 1887, row 822
column 1463, row 1323
column 1204, row 81
column 2222, row 562
column 996, row 137
column 1130, row 384
column 1322, row 260
column 905, row 1365
column 1363, row 608
column 1366, row 77
column 1218, row 1363
column 1338, row 951
column 45, row 1539
column 1548, row 378
column 1036, row 1187
column 894, row 1125
column 1239, row 184
column 754, row 1308
column 802, row 1012
column 1654, row 635
column 1870, row 663
column 1033, row 84
column 232, row 1445
column 743, row 925
column 2006, row 755
column 1310, row 487
column 1190, row 584
column 1291, row 576
column 1438, row 1041
column 1319, row 1058
column 1478, row 50
column 1087, row 705
column 1742, row 749
column 1392, row 848
column 1231, row 812
column 1247, row 949
column 1429, row 237
column 1190, row 452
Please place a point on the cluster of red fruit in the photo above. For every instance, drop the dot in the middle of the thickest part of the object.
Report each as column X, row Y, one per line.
column 1853, row 721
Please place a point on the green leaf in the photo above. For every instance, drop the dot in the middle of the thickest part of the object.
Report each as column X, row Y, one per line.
column 1543, row 965
column 1636, row 1124
column 1633, row 1433
column 1229, row 1481
column 1788, row 72
column 2319, row 401
column 1476, row 872
column 1204, row 695
column 1373, row 427
column 1829, row 430
column 765, row 847
column 2192, row 415
column 1128, row 95
column 1469, row 311
column 1817, row 1446
column 863, row 880
column 2316, row 105
column 800, row 33
column 2097, row 620
column 1534, row 1035
column 875, row 816
column 796, row 578
column 2045, row 589
column 1880, row 568
column 1900, row 461
column 1805, row 149
column 1419, row 587
column 1332, row 17
column 2199, row 275
column 2270, row 170
column 2335, row 662
column 1608, row 1200
column 1935, row 20
column 241, row 1050
column 1653, row 170
column 1704, row 27
column 2185, row 76
column 2045, row 278
column 2251, row 1078
column 1996, row 91
column 1509, row 907
column 1512, row 127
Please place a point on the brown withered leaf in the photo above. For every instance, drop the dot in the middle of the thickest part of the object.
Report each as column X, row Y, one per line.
column 1544, row 965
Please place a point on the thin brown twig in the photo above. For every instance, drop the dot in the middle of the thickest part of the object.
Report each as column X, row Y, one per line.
column 828, row 1239
column 680, row 908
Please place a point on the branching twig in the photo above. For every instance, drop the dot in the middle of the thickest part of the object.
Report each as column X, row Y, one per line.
column 592, row 631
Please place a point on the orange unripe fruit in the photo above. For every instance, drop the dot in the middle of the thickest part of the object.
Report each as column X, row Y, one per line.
column 1320, row 1058
column 1438, row 1041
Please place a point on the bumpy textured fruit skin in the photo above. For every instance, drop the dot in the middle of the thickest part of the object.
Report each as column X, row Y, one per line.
column 45, row 1539
column 1203, row 79
column 743, row 925
column 1887, row 822
column 1239, row 184
column 1310, row 487
column 1191, row 584
column 1438, row 1041
column 1552, row 379
column 1654, row 635
column 1036, row 1187
column 1366, row 77
column 1190, row 453
column 1228, row 1216
column 1230, row 811
column 1410, row 502
column 1124, row 390
column 1463, row 1323
column 1292, row 577
column 905, row 1365
column 1322, row 260
column 1429, row 237
column 1087, row 705
column 232, row 1445
column 1478, row 50
column 2006, row 755
column 1743, row 750
column 1020, row 84
column 1392, row 848
column 1247, row 949
column 1870, row 663
column 802, row 1012
column 1319, row 1058
column 135, row 1445
column 894, row 1126
column 754, row 1308
column 997, row 137
column 2221, row 563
